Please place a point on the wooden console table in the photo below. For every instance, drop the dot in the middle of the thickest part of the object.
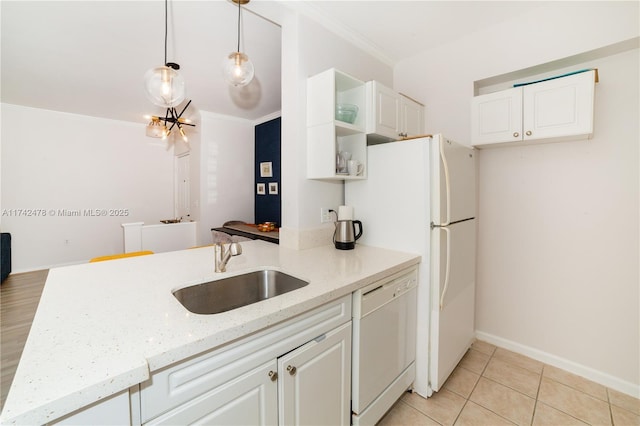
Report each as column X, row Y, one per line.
column 249, row 230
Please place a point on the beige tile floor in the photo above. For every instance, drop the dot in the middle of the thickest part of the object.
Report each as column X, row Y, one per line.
column 493, row 386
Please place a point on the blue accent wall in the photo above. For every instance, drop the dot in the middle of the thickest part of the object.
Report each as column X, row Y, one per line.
column 267, row 149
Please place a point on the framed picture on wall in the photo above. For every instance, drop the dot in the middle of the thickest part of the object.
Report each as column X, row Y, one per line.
column 261, row 189
column 266, row 169
column 273, row 188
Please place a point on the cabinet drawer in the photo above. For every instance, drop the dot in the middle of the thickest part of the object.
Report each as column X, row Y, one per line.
column 182, row 382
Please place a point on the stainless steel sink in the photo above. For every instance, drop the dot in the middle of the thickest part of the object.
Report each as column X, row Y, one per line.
column 223, row 295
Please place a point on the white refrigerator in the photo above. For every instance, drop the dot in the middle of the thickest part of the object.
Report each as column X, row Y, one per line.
column 420, row 196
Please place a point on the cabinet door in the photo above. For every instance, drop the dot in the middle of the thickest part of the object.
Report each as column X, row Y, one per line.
column 412, row 117
column 560, row 107
column 251, row 399
column 497, row 117
column 386, row 106
column 315, row 381
column 326, row 136
column 182, row 186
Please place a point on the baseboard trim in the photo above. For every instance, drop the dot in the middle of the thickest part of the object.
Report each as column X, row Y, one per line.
column 600, row 377
column 49, row 266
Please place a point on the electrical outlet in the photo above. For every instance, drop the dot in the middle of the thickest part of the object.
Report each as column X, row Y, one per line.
column 325, row 215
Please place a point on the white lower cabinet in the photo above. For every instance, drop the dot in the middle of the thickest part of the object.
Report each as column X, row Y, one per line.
column 297, row 372
column 250, row 399
column 315, row 381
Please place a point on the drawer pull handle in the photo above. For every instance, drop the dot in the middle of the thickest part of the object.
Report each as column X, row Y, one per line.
column 528, row 133
column 516, row 134
column 273, row 375
column 292, row 370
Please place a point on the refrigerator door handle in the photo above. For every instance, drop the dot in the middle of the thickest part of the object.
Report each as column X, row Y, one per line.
column 447, row 232
column 445, row 169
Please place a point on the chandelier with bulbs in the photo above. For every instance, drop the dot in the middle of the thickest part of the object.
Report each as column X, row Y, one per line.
column 164, row 86
column 159, row 127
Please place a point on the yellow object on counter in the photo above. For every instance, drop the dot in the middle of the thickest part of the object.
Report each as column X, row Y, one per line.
column 120, row 256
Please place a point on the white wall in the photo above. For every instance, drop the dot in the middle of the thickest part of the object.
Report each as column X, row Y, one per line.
column 559, row 236
column 53, row 161
column 76, row 162
column 558, row 223
column 226, row 168
column 308, row 49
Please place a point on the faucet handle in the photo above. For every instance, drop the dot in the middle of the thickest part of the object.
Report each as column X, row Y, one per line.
column 235, row 249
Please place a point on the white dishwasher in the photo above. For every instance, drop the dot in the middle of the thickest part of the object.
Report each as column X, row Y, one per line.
column 384, row 345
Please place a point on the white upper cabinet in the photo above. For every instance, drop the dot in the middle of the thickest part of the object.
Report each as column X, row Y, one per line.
column 497, row 117
column 557, row 109
column 383, row 113
column 328, row 134
column 382, row 116
column 412, row 117
column 391, row 115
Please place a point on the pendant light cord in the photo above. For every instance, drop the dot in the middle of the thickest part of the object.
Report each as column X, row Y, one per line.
column 238, row 26
column 166, row 26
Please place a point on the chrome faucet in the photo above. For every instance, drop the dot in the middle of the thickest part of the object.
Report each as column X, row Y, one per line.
column 222, row 256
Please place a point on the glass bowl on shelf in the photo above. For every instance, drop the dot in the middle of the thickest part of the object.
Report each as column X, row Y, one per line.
column 346, row 113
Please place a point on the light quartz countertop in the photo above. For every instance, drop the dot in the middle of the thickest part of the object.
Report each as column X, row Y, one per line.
column 101, row 328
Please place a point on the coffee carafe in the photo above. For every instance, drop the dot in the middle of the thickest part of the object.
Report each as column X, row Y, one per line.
column 345, row 235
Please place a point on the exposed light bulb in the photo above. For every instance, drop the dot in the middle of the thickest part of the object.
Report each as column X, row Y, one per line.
column 238, row 69
column 164, row 86
column 166, row 90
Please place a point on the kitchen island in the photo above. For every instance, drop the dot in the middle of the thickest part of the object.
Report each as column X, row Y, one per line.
column 102, row 328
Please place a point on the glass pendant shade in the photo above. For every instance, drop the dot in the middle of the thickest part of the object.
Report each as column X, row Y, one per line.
column 164, row 86
column 155, row 129
column 238, row 69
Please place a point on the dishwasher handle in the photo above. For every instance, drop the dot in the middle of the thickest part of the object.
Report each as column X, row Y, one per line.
column 376, row 298
column 380, row 287
column 369, row 300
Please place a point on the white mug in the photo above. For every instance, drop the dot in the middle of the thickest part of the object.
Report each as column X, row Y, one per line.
column 354, row 167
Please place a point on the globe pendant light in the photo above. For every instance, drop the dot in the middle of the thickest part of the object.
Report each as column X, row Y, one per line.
column 237, row 68
column 164, row 86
